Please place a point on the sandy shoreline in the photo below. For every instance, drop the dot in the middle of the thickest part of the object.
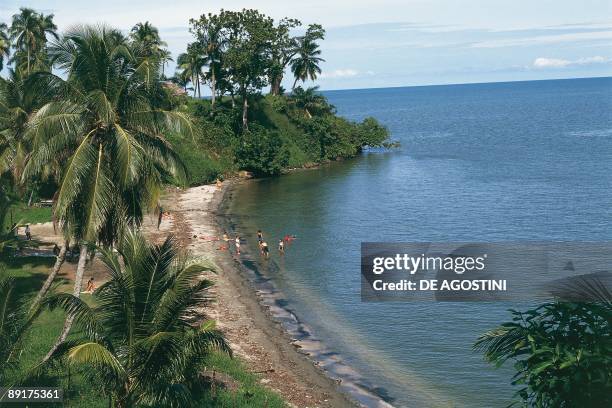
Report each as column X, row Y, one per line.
column 248, row 326
column 242, row 313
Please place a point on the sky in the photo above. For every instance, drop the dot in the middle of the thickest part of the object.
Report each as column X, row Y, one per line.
column 384, row 43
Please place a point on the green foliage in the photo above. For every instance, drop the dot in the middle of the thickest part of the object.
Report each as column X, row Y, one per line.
column 141, row 340
column 249, row 392
column 107, row 119
column 562, row 353
column 262, row 152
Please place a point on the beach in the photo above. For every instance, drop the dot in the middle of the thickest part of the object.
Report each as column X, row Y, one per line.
column 248, row 326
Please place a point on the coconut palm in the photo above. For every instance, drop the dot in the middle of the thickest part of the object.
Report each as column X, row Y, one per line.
column 306, row 63
column 28, row 32
column 18, row 101
column 144, row 342
column 5, row 44
column 147, row 40
column 209, row 32
column 164, row 57
column 310, row 100
column 107, row 121
column 191, row 64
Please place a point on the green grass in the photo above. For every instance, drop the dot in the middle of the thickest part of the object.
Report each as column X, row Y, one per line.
column 249, row 392
column 30, row 273
column 27, row 215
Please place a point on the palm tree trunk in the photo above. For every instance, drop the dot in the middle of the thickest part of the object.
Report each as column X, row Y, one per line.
column 294, row 83
column 59, row 261
column 78, row 283
column 233, row 100
column 245, row 113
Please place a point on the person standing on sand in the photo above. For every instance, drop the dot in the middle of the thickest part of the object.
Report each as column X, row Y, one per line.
column 238, row 244
column 28, row 233
column 160, row 216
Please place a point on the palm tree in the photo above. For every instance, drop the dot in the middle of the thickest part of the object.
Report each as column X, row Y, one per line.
column 28, row 32
column 306, row 64
column 310, row 100
column 107, row 120
column 5, row 44
column 18, row 101
column 210, row 42
column 143, row 342
column 164, row 57
column 146, row 38
column 191, row 64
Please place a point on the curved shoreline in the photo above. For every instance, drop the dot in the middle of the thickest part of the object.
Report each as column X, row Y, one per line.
column 295, row 332
column 253, row 334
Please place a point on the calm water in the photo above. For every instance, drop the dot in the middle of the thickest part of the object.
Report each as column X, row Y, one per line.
column 486, row 162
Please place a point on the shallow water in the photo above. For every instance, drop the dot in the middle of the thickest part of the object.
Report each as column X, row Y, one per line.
column 486, row 162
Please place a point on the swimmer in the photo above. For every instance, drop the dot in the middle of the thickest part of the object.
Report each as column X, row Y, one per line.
column 281, row 246
column 238, row 244
column 265, row 250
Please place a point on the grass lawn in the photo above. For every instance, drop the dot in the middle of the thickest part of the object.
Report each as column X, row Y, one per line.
column 27, row 215
column 240, row 389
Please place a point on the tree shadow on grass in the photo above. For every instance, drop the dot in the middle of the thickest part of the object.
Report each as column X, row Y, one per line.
column 29, row 272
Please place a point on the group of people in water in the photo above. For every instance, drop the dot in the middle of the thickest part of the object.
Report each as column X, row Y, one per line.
column 264, row 248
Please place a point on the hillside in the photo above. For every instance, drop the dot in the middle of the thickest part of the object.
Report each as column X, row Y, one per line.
column 283, row 133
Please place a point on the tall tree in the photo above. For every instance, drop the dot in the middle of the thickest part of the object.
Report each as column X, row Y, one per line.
column 143, row 343
column 249, row 38
column 210, row 34
column 5, row 44
column 306, row 62
column 147, row 40
column 108, row 121
column 28, row 33
column 283, row 48
column 191, row 64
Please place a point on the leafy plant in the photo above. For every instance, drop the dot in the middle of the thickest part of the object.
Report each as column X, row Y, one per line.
column 143, row 341
column 562, row 353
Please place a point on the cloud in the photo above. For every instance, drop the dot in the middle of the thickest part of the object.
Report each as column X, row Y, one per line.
column 544, row 63
column 545, row 39
column 340, row 73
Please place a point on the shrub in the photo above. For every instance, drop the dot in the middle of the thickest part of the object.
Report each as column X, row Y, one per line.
column 262, row 152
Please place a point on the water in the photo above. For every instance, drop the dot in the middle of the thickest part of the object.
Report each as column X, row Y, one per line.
column 486, row 162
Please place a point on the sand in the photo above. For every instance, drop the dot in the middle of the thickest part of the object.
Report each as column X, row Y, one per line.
column 248, row 326
column 254, row 335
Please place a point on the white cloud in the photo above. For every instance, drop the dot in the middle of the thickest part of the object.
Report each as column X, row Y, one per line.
column 545, row 39
column 550, row 62
column 543, row 62
column 339, row 73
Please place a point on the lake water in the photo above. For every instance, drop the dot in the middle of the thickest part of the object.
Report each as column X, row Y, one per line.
column 484, row 162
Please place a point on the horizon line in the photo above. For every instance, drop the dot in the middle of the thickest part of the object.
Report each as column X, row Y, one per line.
column 466, row 83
